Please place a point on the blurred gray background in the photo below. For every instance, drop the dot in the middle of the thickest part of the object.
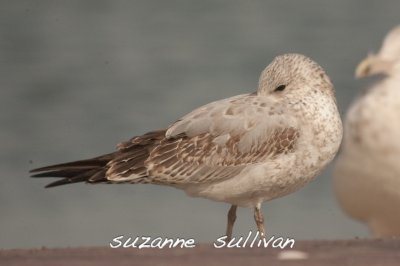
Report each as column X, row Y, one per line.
column 77, row 77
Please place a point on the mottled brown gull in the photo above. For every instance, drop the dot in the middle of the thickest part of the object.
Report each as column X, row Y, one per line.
column 242, row 150
column 367, row 172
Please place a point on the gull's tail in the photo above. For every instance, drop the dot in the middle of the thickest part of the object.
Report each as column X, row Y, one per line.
column 91, row 171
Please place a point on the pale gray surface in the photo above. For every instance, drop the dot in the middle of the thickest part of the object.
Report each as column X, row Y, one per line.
column 77, row 77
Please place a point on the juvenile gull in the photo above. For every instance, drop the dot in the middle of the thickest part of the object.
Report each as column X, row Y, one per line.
column 367, row 173
column 242, row 150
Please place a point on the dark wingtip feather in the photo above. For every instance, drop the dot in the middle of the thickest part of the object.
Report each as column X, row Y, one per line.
column 82, row 177
column 74, row 172
column 77, row 165
column 94, row 170
column 56, row 173
column 60, row 183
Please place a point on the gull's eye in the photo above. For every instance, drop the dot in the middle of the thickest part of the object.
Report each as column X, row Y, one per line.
column 280, row 88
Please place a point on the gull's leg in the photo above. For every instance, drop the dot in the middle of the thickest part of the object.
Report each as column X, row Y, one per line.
column 231, row 221
column 259, row 218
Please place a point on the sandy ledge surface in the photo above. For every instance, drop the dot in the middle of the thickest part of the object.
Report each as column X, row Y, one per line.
column 322, row 252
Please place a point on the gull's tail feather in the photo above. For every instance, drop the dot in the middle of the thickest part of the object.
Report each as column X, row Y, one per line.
column 91, row 171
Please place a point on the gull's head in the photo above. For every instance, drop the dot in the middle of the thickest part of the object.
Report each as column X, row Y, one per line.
column 291, row 73
column 386, row 61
